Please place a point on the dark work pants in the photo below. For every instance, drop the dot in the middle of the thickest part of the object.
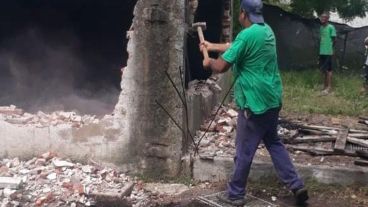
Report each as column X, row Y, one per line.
column 250, row 132
column 365, row 69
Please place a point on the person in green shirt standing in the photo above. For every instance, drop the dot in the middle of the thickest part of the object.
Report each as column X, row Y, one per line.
column 258, row 95
column 327, row 42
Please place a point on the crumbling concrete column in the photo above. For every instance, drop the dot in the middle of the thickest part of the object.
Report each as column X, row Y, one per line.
column 227, row 26
column 153, row 142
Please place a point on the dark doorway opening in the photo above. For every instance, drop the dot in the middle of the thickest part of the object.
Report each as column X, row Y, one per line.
column 211, row 12
column 63, row 55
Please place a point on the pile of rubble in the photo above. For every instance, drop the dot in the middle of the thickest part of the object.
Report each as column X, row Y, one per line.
column 50, row 181
column 14, row 115
column 219, row 139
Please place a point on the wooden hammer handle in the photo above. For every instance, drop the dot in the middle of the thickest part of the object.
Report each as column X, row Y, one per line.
column 201, row 39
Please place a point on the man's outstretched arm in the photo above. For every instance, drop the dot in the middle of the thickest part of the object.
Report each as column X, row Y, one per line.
column 215, row 47
column 218, row 65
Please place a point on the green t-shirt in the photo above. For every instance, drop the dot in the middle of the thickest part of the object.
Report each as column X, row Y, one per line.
column 327, row 32
column 258, row 84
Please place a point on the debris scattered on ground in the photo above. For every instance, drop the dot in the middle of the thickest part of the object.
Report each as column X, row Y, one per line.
column 328, row 141
column 48, row 180
column 219, row 138
column 324, row 142
column 16, row 116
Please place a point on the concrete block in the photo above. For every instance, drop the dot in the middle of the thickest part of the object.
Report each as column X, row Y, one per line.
column 114, row 198
column 9, row 182
column 166, row 189
column 215, row 170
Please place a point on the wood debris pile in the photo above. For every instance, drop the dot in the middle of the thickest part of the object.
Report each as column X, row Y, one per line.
column 327, row 141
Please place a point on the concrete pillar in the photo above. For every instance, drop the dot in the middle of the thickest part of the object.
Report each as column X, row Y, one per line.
column 227, row 26
column 153, row 142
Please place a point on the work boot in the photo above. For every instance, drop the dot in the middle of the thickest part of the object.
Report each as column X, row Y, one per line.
column 301, row 196
column 224, row 197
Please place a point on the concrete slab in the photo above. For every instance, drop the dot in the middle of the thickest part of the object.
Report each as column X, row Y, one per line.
column 252, row 201
column 9, row 182
column 220, row 169
column 164, row 188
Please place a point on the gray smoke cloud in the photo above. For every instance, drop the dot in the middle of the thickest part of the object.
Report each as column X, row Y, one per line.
column 43, row 72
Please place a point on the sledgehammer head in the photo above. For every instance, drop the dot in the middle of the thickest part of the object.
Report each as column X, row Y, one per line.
column 203, row 25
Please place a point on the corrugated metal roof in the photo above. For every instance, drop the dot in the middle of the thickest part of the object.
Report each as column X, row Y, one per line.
column 356, row 22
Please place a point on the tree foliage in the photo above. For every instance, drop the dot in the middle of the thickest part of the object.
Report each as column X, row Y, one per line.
column 237, row 26
column 347, row 9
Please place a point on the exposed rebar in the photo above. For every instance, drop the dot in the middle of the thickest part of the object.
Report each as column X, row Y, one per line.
column 184, row 102
column 217, row 111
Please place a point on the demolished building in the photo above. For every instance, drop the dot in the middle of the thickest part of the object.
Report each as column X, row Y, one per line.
column 165, row 93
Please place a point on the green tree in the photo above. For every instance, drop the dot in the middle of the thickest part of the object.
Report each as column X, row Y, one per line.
column 237, row 26
column 347, row 9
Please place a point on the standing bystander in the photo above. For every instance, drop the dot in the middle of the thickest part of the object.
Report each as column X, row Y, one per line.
column 326, row 52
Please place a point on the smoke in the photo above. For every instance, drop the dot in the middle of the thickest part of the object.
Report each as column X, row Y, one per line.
column 48, row 72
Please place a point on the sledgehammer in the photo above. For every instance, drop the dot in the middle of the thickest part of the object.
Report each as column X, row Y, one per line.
column 200, row 26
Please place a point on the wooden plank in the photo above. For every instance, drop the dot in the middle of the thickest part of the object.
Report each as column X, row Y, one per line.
column 359, row 142
column 341, row 140
column 312, row 150
column 361, row 162
column 319, row 132
column 363, row 117
column 306, row 139
column 313, row 131
column 321, row 151
column 362, row 154
column 318, row 127
column 365, row 122
column 359, row 136
column 358, row 131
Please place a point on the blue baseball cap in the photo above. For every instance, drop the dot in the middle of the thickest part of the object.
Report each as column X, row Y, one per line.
column 254, row 10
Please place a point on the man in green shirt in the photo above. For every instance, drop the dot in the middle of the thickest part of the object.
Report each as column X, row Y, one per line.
column 327, row 42
column 258, row 94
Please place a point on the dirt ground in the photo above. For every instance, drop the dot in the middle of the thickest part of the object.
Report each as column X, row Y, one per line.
column 320, row 195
